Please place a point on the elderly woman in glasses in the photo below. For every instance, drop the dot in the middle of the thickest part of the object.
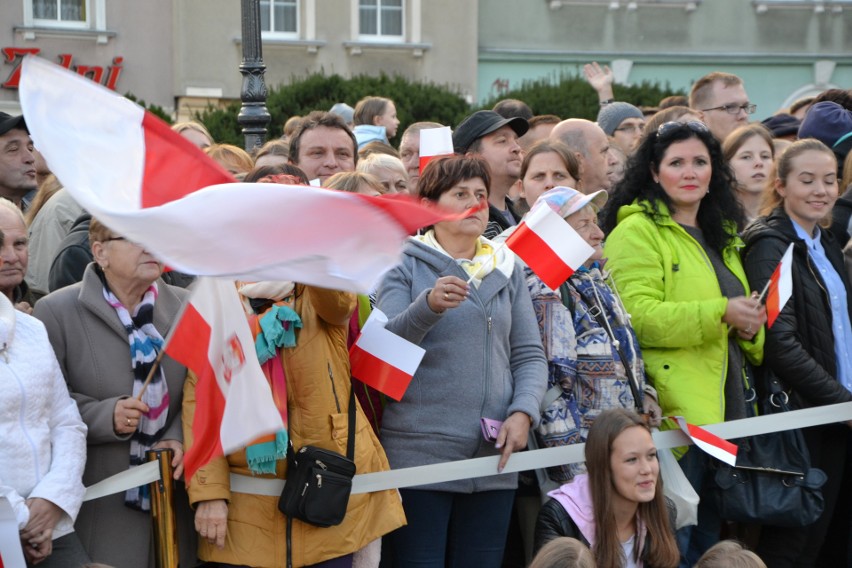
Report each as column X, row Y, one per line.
column 673, row 249
column 107, row 331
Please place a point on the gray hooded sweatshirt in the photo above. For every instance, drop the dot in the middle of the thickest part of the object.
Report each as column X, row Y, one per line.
column 484, row 359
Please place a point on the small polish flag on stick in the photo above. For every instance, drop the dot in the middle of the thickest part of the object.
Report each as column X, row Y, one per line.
column 779, row 288
column 382, row 359
column 435, row 143
column 549, row 245
column 712, row 444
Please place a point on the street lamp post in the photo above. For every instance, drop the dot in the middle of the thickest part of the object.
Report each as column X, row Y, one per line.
column 253, row 115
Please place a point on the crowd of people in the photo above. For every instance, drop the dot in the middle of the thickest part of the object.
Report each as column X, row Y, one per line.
column 688, row 208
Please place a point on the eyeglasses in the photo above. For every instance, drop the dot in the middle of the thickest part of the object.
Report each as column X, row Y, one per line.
column 669, row 127
column 631, row 128
column 113, row 239
column 748, row 108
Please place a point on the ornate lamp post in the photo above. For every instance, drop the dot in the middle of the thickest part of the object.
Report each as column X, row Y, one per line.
column 253, row 115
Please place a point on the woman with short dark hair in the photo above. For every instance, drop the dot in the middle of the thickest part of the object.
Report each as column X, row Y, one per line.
column 483, row 360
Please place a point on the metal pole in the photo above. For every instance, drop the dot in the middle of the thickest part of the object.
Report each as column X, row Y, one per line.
column 253, row 115
column 166, row 550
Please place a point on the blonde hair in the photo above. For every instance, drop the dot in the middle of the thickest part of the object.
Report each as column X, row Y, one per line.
column 230, row 157
column 352, row 181
column 381, row 161
column 729, row 554
column 192, row 125
column 702, row 88
column 48, row 188
column 564, row 552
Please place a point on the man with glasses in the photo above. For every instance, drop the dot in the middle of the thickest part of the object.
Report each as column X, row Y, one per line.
column 623, row 123
column 721, row 102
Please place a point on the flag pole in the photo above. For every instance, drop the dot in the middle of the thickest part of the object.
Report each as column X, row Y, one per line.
column 763, row 293
column 150, row 376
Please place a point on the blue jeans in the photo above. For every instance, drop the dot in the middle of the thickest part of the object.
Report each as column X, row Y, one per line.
column 456, row 530
column 693, row 541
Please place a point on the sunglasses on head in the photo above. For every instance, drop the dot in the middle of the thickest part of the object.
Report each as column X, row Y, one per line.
column 669, row 127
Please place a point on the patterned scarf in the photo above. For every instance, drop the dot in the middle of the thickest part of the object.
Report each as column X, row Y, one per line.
column 145, row 342
column 275, row 329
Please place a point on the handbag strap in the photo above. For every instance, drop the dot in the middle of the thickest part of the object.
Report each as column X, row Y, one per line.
column 291, row 456
column 597, row 312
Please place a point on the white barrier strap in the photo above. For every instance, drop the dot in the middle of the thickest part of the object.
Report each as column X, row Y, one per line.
column 134, row 477
column 484, row 467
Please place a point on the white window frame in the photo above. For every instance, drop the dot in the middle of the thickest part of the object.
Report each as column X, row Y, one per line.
column 379, row 37
column 272, row 34
column 95, row 17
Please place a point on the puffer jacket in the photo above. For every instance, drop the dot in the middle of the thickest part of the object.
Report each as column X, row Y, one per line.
column 670, row 288
column 800, row 345
column 318, row 387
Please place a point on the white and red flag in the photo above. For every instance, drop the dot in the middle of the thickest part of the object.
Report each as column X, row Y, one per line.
column 234, row 405
column 779, row 287
column 712, row 444
column 549, row 245
column 435, row 143
column 382, row 359
column 150, row 185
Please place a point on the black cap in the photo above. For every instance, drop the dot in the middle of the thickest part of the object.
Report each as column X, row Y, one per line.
column 782, row 124
column 484, row 122
column 8, row 122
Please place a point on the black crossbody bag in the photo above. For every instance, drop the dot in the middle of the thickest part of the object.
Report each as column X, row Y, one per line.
column 318, row 483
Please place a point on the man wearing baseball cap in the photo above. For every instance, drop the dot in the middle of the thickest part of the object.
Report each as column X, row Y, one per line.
column 17, row 161
column 487, row 135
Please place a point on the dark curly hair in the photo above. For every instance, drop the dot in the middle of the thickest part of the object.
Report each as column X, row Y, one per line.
column 719, row 213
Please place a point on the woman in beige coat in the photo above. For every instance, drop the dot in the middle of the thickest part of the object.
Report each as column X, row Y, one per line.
column 120, row 307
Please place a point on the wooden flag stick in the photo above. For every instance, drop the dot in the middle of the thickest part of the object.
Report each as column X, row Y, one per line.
column 150, row 376
column 763, row 293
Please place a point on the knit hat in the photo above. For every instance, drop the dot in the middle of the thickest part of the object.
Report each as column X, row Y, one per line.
column 613, row 114
column 344, row 111
column 484, row 122
column 566, row 200
column 827, row 122
column 782, row 124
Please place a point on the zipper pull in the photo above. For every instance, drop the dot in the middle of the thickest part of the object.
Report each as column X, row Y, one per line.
column 319, row 481
column 489, row 324
column 304, row 489
column 322, row 465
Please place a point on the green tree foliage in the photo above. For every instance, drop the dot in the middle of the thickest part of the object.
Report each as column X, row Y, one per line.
column 572, row 97
column 154, row 109
column 414, row 102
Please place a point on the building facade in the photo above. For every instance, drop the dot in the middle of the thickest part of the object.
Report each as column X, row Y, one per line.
column 184, row 55
column 783, row 49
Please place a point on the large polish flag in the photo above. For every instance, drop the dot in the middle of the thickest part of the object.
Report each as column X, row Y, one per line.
column 153, row 187
column 780, row 287
column 435, row 143
column 234, row 405
column 549, row 245
column 382, row 359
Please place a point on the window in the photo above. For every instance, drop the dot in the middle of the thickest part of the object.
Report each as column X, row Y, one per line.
column 279, row 17
column 61, row 13
column 380, row 20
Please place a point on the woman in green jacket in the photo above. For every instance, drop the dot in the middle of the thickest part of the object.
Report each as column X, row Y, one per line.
column 673, row 249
